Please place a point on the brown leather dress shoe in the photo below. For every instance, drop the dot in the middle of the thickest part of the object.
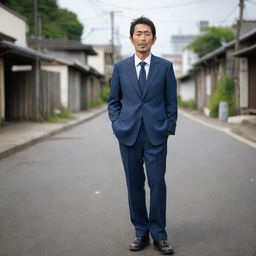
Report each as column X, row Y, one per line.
column 163, row 246
column 139, row 243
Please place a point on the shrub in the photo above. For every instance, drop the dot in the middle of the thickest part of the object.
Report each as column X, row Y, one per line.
column 52, row 119
column 96, row 102
column 191, row 103
column 66, row 114
column 179, row 100
column 105, row 93
column 225, row 91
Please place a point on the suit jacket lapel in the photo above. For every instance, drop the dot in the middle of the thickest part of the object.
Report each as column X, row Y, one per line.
column 151, row 74
column 133, row 75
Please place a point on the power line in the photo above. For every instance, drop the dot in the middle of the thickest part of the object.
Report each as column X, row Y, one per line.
column 98, row 12
column 92, row 30
column 233, row 10
column 153, row 7
column 99, row 5
column 167, row 20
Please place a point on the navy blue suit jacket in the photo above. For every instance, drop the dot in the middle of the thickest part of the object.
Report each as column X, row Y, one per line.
column 157, row 106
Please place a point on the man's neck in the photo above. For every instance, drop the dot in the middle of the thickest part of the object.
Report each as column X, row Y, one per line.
column 142, row 56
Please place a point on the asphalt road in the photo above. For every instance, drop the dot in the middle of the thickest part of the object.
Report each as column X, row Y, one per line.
column 66, row 196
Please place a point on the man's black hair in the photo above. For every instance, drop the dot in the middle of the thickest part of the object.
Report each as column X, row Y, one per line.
column 142, row 20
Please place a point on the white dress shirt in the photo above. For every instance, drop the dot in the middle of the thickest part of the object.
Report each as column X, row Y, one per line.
column 137, row 61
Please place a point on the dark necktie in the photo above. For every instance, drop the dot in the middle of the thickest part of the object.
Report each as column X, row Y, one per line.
column 142, row 76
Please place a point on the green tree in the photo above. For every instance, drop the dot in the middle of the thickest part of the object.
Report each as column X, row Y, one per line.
column 56, row 22
column 211, row 40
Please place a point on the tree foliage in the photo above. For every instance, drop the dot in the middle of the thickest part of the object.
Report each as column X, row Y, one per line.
column 211, row 39
column 56, row 22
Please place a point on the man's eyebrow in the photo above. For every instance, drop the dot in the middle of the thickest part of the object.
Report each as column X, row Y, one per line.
column 143, row 31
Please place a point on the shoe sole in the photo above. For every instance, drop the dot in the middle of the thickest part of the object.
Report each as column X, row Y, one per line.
column 164, row 253
column 136, row 250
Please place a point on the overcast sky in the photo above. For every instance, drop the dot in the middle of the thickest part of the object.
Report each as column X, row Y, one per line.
column 170, row 17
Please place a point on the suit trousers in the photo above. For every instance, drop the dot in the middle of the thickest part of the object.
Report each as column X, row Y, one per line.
column 154, row 157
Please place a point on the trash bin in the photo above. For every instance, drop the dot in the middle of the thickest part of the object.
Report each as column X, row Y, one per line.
column 223, row 111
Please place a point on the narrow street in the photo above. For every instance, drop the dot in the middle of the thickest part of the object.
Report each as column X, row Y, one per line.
column 66, row 196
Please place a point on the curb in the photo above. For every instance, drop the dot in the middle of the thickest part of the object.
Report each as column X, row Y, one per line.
column 228, row 131
column 31, row 141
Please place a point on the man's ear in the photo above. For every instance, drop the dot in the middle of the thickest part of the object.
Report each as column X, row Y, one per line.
column 154, row 40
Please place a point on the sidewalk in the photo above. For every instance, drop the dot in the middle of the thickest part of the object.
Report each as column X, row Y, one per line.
column 15, row 136
column 242, row 132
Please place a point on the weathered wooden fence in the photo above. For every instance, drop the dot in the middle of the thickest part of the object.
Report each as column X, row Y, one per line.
column 19, row 94
column 49, row 94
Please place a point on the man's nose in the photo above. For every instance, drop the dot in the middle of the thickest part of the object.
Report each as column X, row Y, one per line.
column 143, row 37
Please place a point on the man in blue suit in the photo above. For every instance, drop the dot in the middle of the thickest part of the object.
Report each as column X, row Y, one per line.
column 143, row 111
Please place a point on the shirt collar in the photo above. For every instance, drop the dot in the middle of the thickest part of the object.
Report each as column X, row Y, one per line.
column 137, row 60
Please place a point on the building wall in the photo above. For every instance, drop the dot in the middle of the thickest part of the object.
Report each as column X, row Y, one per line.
column 85, row 101
column 187, row 89
column 177, row 63
column 1, row 91
column 88, row 92
column 78, row 55
column 74, row 101
column 96, row 88
column 98, row 61
column 188, row 58
column 230, row 61
column 252, row 82
column 63, row 71
column 16, row 28
column 200, row 89
column 19, row 95
column 244, row 86
column 49, row 93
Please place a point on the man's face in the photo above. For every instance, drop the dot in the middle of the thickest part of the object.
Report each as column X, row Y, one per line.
column 142, row 38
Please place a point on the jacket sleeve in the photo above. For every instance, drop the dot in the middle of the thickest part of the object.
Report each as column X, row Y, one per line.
column 115, row 97
column 171, row 99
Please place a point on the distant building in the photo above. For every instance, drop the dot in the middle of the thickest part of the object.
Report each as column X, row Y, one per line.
column 246, row 26
column 189, row 57
column 80, row 82
column 102, row 62
column 179, row 42
column 65, row 48
column 177, row 62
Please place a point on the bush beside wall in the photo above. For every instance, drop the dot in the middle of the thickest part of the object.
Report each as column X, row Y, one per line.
column 225, row 91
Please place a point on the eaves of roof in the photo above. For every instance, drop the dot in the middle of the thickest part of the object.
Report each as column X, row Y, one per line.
column 24, row 51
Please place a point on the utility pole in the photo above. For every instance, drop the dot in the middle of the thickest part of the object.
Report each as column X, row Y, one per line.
column 36, row 68
column 112, row 17
column 36, row 25
column 237, row 66
column 112, row 36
